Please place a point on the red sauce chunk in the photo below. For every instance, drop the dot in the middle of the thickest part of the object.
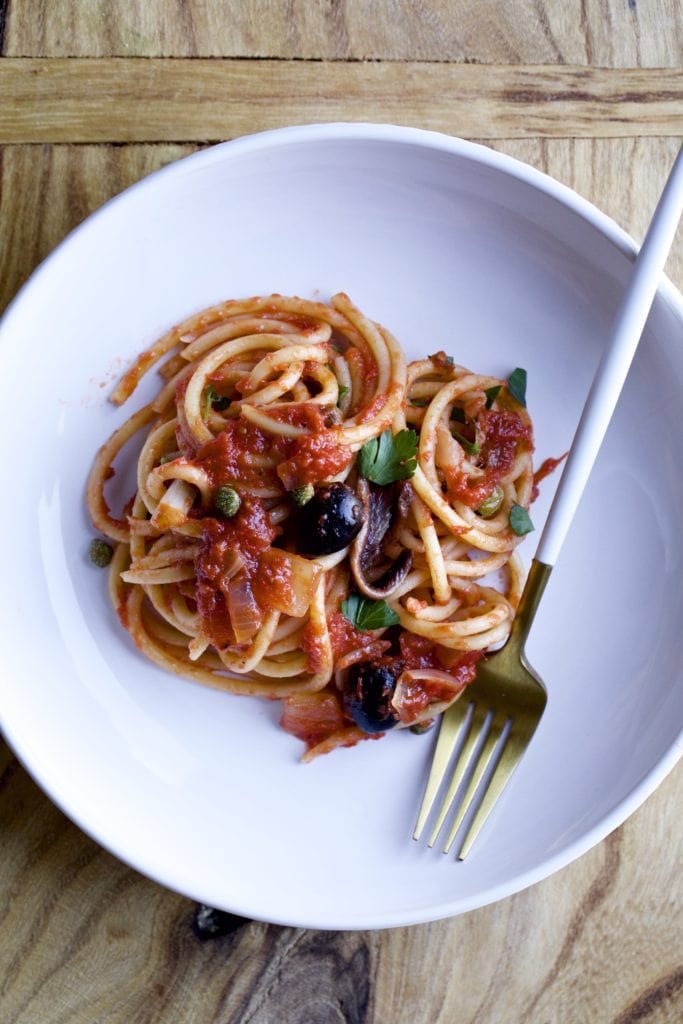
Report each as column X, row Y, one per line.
column 420, row 693
column 365, row 367
column 545, row 469
column 312, row 643
column 344, row 637
column 419, row 652
column 246, row 535
column 503, row 432
column 273, row 580
column 314, row 459
column 228, row 456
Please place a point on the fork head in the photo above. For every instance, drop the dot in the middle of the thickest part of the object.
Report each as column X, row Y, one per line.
column 492, row 730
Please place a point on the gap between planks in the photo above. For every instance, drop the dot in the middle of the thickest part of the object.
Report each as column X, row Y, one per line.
column 90, row 100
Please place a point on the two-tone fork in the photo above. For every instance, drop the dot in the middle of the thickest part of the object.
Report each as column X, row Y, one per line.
column 494, row 729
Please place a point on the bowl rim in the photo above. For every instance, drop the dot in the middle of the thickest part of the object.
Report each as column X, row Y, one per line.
column 430, row 140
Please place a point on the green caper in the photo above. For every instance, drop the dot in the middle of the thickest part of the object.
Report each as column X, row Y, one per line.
column 227, row 501
column 100, row 552
column 491, row 505
column 302, row 495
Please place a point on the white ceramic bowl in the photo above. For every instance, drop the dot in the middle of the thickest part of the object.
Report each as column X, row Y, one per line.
column 451, row 246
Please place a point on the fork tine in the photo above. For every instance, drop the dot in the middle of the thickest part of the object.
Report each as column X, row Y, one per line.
column 511, row 754
column 459, row 768
column 449, row 730
column 492, row 738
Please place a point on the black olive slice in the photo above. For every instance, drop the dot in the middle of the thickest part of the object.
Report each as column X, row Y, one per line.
column 368, row 691
column 329, row 521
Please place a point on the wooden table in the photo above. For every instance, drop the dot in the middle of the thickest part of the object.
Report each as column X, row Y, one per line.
column 90, row 100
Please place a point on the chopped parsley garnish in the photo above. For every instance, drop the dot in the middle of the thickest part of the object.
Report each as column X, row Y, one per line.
column 343, row 392
column 458, row 414
column 100, row 552
column 366, row 615
column 214, row 401
column 168, row 458
column 385, row 459
column 517, row 385
column 492, row 394
column 520, row 521
column 471, row 447
column 419, row 403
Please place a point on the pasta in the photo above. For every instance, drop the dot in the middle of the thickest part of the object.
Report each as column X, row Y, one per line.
column 315, row 520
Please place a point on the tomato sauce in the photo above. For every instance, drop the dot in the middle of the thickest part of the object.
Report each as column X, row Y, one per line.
column 227, row 456
column 419, row 652
column 421, row 693
column 364, row 368
column 344, row 637
column 314, row 646
column 314, row 458
column 273, row 581
column 122, row 612
column 545, row 469
column 374, row 407
column 248, row 534
column 503, row 432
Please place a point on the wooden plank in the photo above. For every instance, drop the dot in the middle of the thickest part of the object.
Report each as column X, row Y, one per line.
column 136, row 100
column 604, row 33
column 45, row 191
column 87, row 939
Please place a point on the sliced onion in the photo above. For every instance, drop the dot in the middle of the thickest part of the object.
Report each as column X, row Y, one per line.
column 233, row 562
column 445, row 691
column 173, row 508
column 246, row 617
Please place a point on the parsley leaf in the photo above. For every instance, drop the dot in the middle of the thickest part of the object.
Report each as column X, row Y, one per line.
column 385, row 459
column 471, row 447
column 517, row 385
column 492, row 394
column 520, row 521
column 214, row 400
column 343, row 392
column 365, row 614
column 419, row 403
column 458, row 414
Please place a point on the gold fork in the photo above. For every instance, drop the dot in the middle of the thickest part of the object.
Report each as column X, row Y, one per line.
column 508, row 698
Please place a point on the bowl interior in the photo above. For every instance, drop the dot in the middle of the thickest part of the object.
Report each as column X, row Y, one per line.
column 449, row 247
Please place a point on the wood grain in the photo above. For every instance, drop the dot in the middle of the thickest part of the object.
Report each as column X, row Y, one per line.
column 86, row 940
column 602, row 33
column 136, row 100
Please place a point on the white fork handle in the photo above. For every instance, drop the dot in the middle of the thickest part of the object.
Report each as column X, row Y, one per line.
column 614, row 365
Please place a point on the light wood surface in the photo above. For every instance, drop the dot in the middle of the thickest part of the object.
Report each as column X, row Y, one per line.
column 138, row 100
column 588, row 91
column 598, row 33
